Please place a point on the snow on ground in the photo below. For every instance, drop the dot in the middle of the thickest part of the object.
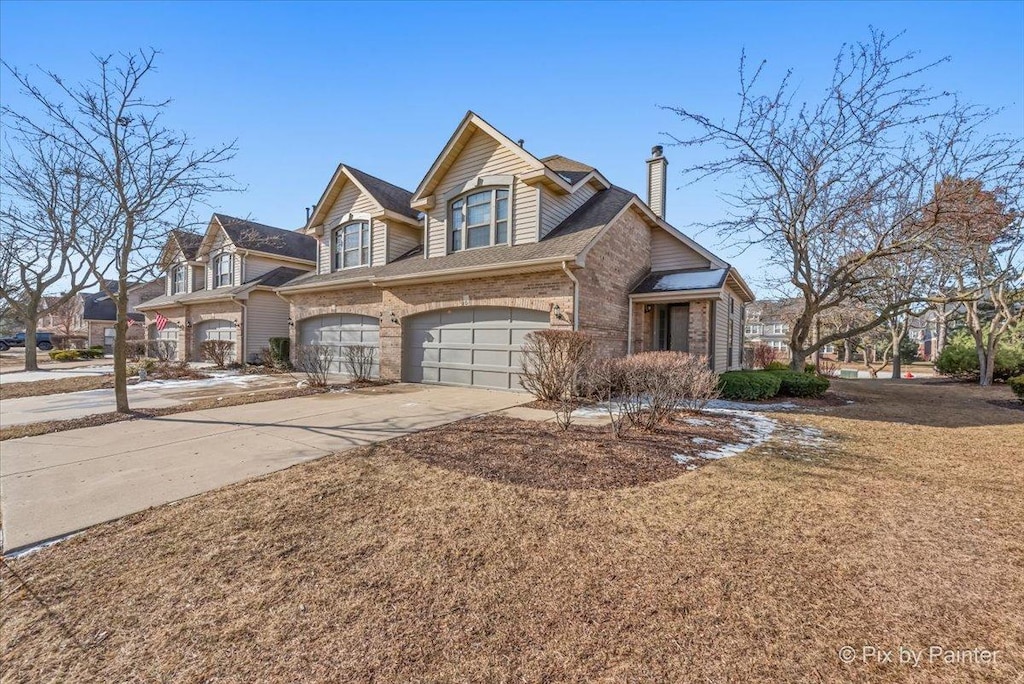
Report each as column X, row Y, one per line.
column 218, row 380
column 758, row 430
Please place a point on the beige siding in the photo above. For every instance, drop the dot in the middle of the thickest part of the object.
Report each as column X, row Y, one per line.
column 556, row 208
column 350, row 201
column 722, row 328
column 221, row 243
column 482, row 155
column 198, row 277
column 256, row 266
column 325, row 252
column 402, row 238
column 668, row 253
column 379, row 239
column 267, row 317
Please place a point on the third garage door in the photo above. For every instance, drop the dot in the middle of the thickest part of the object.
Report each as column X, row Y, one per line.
column 472, row 346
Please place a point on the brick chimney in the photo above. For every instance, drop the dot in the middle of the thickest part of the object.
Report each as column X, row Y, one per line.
column 657, row 173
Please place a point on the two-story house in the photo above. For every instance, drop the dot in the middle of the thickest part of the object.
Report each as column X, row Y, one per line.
column 444, row 282
column 220, row 285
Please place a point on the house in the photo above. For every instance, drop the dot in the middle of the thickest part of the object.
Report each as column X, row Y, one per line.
column 445, row 281
column 220, row 286
column 99, row 312
column 768, row 323
column 63, row 319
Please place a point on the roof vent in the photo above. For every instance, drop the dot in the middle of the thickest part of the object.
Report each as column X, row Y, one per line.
column 521, row 142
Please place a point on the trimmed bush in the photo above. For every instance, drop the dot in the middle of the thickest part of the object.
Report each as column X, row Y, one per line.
column 793, row 384
column 67, row 354
column 776, row 366
column 1017, row 385
column 91, row 353
column 280, row 350
column 749, row 385
column 810, row 368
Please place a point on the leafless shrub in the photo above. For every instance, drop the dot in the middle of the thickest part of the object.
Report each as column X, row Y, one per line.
column 358, row 360
column 135, row 349
column 315, row 360
column 162, row 350
column 828, row 368
column 604, row 382
column 553, row 363
column 216, row 351
column 764, row 355
column 654, row 384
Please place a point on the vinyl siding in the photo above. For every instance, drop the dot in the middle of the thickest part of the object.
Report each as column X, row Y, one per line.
column 350, row 201
column 722, row 360
column 669, row 254
column 482, row 155
column 198, row 277
column 267, row 317
column 256, row 266
column 221, row 243
column 379, row 239
column 401, row 239
column 556, row 208
column 378, row 232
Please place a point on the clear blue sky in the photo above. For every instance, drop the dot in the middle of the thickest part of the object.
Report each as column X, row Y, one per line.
column 381, row 86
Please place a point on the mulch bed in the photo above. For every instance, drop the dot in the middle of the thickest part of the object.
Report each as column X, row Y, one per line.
column 541, row 455
column 51, row 426
column 1008, row 404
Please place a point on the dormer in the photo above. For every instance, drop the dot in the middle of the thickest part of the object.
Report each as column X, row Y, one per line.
column 361, row 221
column 485, row 190
column 184, row 272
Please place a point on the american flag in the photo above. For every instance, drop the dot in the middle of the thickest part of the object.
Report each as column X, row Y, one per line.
column 131, row 322
column 161, row 321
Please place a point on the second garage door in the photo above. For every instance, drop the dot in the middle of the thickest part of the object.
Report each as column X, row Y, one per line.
column 339, row 331
column 216, row 330
column 472, row 346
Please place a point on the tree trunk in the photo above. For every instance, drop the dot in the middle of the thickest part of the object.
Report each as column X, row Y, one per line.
column 987, row 361
column 848, row 351
column 897, row 362
column 941, row 328
column 31, row 325
column 121, row 348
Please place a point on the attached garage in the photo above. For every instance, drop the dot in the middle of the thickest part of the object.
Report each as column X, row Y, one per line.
column 339, row 331
column 216, row 330
column 166, row 340
column 472, row 346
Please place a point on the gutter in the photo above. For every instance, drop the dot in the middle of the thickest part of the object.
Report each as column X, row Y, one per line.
column 245, row 327
column 575, row 296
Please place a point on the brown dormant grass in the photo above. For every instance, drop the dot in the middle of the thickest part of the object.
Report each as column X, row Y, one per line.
column 18, row 390
column 908, row 530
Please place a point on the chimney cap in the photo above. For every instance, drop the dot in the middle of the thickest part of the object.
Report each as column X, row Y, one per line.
column 657, row 151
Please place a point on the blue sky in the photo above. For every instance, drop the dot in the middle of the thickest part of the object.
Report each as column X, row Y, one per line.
column 303, row 86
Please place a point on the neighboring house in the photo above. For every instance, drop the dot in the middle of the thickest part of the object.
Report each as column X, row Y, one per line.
column 220, row 285
column 63, row 318
column 924, row 330
column 445, row 282
column 99, row 313
column 768, row 323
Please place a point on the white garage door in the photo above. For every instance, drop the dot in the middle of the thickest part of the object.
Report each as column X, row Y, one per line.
column 473, row 346
column 216, row 330
column 339, row 331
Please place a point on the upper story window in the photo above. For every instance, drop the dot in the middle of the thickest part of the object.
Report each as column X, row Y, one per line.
column 352, row 245
column 780, row 329
column 178, row 279
column 222, row 266
column 479, row 219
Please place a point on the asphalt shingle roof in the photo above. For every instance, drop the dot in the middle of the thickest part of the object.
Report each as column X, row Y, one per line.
column 188, row 242
column 262, row 238
column 97, row 306
column 273, row 278
column 567, row 240
column 569, row 169
column 391, row 197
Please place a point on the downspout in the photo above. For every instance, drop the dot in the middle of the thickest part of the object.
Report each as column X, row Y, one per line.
column 575, row 296
column 245, row 325
column 629, row 328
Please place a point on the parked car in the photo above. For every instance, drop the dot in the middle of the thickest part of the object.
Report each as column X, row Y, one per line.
column 43, row 341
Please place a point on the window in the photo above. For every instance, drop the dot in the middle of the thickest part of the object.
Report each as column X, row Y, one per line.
column 479, row 219
column 222, row 269
column 780, row 329
column 752, row 330
column 108, row 338
column 352, row 245
column 178, row 279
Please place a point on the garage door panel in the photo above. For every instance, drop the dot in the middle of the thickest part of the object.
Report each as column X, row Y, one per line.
column 470, row 346
column 216, row 329
column 340, row 331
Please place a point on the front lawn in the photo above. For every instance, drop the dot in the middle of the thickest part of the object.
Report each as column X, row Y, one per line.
column 59, row 385
column 899, row 521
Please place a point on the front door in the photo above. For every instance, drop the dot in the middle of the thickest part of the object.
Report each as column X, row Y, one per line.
column 679, row 327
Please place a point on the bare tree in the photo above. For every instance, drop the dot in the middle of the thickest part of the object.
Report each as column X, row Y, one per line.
column 981, row 250
column 66, row 315
column 148, row 176
column 830, row 187
column 47, row 204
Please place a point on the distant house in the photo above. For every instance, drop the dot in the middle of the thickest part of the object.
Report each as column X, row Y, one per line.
column 769, row 323
column 99, row 313
column 63, row 319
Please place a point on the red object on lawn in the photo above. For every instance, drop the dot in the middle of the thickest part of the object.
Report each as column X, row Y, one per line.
column 909, row 375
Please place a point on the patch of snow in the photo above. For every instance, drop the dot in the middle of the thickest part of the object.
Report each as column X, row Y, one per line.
column 216, row 381
column 704, row 440
column 759, row 430
column 40, row 546
column 697, row 421
column 744, row 406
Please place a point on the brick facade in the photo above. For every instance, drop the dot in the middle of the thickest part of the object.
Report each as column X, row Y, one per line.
column 538, row 291
column 182, row 316
column 614, row 266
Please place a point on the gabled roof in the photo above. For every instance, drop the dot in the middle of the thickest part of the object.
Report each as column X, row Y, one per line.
column 258, row 237
column 274, row 278
column 388, row 197
column 569, row 169
column 97, row 306
column 187, row 242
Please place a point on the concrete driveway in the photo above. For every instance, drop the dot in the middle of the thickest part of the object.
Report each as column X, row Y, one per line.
column 56, row 484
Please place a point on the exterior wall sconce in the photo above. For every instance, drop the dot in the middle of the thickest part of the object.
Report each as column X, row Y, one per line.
column 188, row 324
column 648, row 308
column 291, row 323
column 557, row 311
column 394, row 318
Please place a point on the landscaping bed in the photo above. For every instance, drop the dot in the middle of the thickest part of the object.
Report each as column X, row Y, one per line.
column 542, row 455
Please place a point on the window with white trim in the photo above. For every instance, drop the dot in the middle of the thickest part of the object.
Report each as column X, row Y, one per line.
column 479, row 218
column 178, row 279
column 351, row 245
column 223, row 264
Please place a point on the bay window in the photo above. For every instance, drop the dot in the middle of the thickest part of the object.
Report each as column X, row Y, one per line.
column 479, row 219
column 351, row 245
